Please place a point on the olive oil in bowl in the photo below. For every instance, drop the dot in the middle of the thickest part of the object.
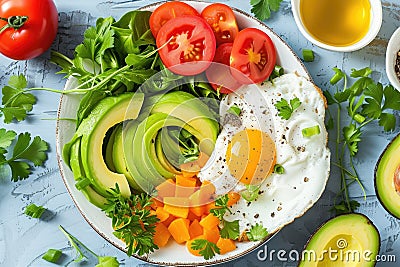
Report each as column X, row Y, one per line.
column 336, row 22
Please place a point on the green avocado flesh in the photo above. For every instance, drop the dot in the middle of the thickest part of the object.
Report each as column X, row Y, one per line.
column 387, row 169
column 346, row 240
column 125, row 140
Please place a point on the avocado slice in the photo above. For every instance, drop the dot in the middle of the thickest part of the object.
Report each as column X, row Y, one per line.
column 161, row 156
column 108, row 151
column 349, row 235
column 79, row 174
column 194, row 112
column 107, row 113
column 387, row 178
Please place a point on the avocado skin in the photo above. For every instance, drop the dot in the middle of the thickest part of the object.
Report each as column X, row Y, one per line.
column 346, row 224
column 92, row 131
column 384, row 185
column 79, row 173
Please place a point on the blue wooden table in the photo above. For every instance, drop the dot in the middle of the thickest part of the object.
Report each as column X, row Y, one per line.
column 23, row 240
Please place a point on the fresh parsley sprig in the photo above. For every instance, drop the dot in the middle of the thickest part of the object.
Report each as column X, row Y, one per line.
column 230, row 229
column 286, row 109
column 257, row 232
column 262, row 8
column 132, row 221
column 25, row 154
column 206, row 248
column 365, row 101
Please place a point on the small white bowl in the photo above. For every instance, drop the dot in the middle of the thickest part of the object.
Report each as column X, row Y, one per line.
column 391, row 52
column 375, row 25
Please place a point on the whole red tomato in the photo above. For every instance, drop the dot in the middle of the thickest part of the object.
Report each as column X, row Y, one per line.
column 27, row 27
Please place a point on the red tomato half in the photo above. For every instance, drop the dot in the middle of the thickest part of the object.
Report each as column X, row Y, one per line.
column 219, row 74
column 168, row 11
column 37, row 32
column 186, row 45
column 254, row 55
column 223, row 22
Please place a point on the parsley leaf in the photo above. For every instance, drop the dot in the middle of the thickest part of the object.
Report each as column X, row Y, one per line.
column 25, row 153
column 132, row 221
column 285, row 109
column 16, row 101
column 392, row 98
column 342, row 207
column 222, row 207
column 206, row 248
column 257, row 232
column 34, row 211
column 352, row 136
column 262, row 8
column 230, row 229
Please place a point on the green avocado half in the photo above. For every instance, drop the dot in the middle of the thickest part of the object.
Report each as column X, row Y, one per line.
column 387, row 178
column 346, row 240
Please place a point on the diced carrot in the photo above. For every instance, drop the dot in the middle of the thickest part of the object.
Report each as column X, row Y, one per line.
column 185, row 186
column 162, row 215
column 168, row 221
column 189, row 245
column 179, row 229
column 166, row 189
column 190, row 169
column 212, row 234
column 198, row 210
column 177, row 206
column 225, row 245
column 209, row 222
column 233, row 198
column 188, row 174
column 161, row 235
column 191, row 216
column 195, row 229
column 210, row 206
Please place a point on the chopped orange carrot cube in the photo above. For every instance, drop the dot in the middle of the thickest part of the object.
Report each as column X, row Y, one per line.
column 179, row 229
column 195, row 229
column 161, row 235
column 209, row 222
column 225, row 245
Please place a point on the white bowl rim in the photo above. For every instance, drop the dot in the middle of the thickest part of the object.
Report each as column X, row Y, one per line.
column 391, row 52
column 376, row 23
column 145, row 258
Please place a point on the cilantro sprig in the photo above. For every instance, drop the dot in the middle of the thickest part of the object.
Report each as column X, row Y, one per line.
column 24, row 155
column 285, row 108
column 262, row 8
column 132, row 221
column 365, row 102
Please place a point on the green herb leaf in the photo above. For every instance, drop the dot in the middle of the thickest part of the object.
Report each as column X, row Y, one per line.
column 344, row 208
column 230, row 229
column 25, row 153
column 222, row 204
column 206, row 248
column 6, row 138
column 285, row 109
column 132, row 221
column 262, row 8
column 257, row 232
column 16, row 101
column 388, row 121
column 352, row 136
column 251, row 192
column 365, row 72
column 34, row 211
column 235, row 110
column 392, row 98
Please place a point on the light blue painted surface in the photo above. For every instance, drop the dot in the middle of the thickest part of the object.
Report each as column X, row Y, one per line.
column 23, row 240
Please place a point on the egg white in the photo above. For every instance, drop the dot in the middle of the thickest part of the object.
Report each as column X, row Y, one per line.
column 306, row 160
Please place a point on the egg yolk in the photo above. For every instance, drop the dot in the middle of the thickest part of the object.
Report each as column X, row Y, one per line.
column 251, row 156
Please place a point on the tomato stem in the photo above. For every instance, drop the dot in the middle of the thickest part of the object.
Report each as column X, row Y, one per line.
column 13, row 22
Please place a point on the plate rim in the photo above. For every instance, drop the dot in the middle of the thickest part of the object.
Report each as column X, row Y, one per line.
column 146, row 257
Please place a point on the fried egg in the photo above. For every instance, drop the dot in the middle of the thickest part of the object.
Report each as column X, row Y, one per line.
column 250, row 145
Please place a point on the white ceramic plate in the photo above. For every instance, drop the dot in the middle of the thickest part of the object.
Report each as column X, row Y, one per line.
column 173, row 254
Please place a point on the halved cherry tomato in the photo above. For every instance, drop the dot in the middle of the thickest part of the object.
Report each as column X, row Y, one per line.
column 168, row 11
column 223, row 22
column 219, row 74
column 186, row 45
column 254, row 55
